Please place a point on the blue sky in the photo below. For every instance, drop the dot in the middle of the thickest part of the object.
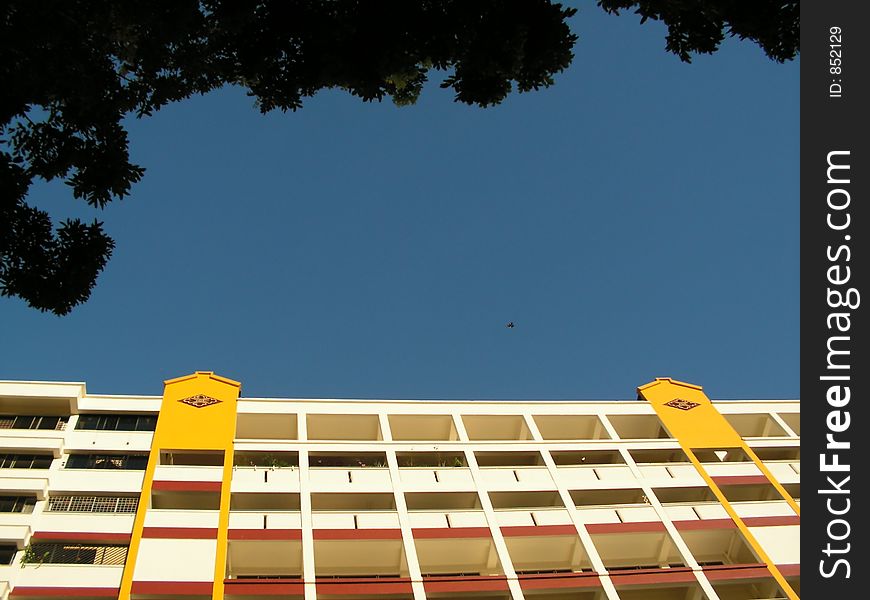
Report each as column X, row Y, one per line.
column 638, row 219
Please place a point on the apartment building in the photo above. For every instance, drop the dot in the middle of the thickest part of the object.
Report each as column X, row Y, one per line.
column 203, row 494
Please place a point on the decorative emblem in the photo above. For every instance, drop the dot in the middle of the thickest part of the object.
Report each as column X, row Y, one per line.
column 199, row 401
column 682, row 404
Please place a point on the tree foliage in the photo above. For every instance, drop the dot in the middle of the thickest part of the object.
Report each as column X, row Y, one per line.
column 72, row 70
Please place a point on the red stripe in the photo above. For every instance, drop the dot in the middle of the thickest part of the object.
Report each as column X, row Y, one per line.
column 186, row 486
column 739, row 479
column 352, row 585
column 182, row 588
column 750, row 571
column 264, row 534
column 705, row 524
column 642, row 527
column 65, row 591
column 558, row 580
column 263, row 587
column 82, row 536
column 772, row 521
column 652, row 576
column 451, row 532
column 526, row 530
column 494, row 583
column 357, row 534
column 789, row 570
column 181, row 533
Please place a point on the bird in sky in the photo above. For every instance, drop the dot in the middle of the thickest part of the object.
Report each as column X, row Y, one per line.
column 510, row 325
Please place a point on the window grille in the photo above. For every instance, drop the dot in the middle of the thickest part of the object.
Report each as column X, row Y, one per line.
column 120, row 422
column 93, row 504
column 17, row 504
column 107, row 461
column 76, row 554
column 25, row 461
column 33, row 422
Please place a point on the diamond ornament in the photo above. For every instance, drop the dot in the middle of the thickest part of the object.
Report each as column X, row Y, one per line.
column 682, row 404
column 199, row 401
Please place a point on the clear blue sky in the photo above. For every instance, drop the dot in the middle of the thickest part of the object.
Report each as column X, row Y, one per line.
column 637, row 219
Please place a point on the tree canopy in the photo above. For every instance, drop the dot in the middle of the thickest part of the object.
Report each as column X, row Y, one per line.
column 72, row 70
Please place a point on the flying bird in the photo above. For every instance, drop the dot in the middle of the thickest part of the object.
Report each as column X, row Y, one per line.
column 510, row 325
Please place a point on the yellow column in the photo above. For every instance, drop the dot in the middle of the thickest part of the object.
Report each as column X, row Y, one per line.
column 694, row 422
column 198, row 412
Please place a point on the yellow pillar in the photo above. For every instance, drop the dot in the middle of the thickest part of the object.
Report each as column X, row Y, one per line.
column 694, row 422
column 198, row 412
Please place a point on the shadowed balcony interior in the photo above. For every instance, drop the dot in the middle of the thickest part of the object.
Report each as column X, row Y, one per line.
column 609, row 497
column 344, row 427
column 265, row 426
column 496, row 427
column 793, row 420
column 712, row 547
column 272, row 460
column 509, row 459
column 442, row 500
column 359, row 558
column 192, row 458
column 721, row 455
column 348, row 459
column 755, row 425
column 171, row 500
column 679, row 495
column 662, row 591
column 659, row 456
column 439, row 428
column 256, row 559
column 547, row 554
column 631, row 427
column 264, row 502
column 637, row 550
column 345, row 501
column 457, row 557
column 587, row 457
column 754, row 492
column 507, row 500
column 784, row 453
column 431, row 459
column 765, row 588
column 570, row 427
column 566, row 593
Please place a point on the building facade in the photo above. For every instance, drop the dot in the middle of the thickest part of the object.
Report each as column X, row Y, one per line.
column 202, row 494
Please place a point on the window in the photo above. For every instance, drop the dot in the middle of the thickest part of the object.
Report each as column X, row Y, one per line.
column 64, row 553
column 17, row 504
column 117, row 422
column 7, row 553
column 107, row 461
column 25, row 461
column 33, row 422
column 93, row 504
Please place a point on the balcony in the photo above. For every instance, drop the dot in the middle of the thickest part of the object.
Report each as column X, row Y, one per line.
column 662, row 591
column 360, row 558
column 444, row 510
column 496, row 427
column 756, row 425
column 638, row 427
column 547, row 554
column 66, row 577
column 458, row 557
column 570, row 427
column 436, row 428
column 763, row 588
column 793, row 420
column 183, row 465
column 265, row 426
column 264, row 559
column 612, row 506
column 712, row 547
column 632, row 550
column 361, row 427
column 182, row 518
column 117, row 441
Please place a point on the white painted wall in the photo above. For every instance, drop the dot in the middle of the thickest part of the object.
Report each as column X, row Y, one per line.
column 175, row 560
